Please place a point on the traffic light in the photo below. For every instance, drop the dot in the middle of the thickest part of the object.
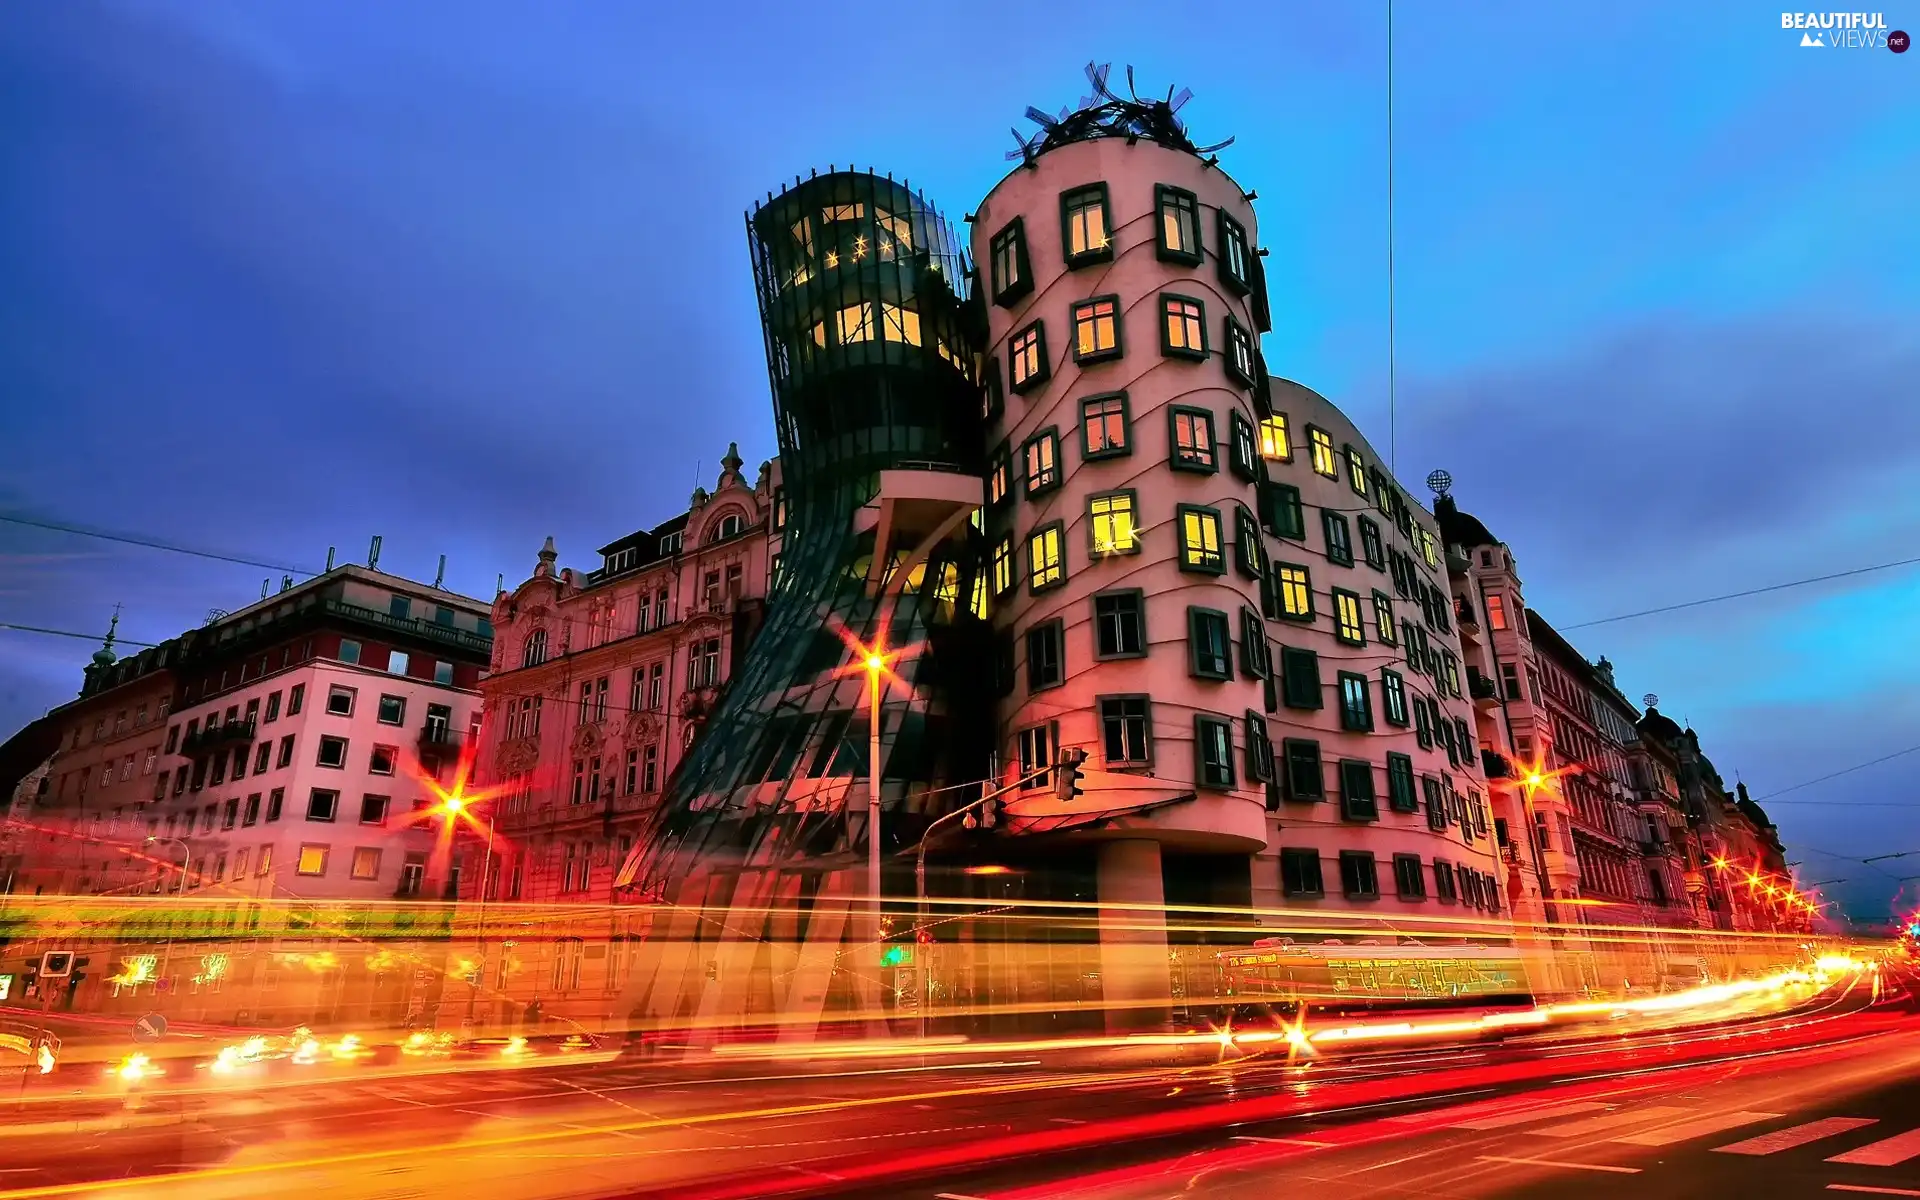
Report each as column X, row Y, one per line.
column 984, row 816
column 897, row 956
column 1066, row 779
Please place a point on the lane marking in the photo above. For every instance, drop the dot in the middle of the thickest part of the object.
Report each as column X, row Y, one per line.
column 1247, row 1137
column 1502, row 1120
column 1688, row 1130
column 1611, row 1121
column 955, row 1196
column 1571, row 1166
column 1889, row 1152
column 1797, row 1135
column 1877, row 1191
column 1066, row 1120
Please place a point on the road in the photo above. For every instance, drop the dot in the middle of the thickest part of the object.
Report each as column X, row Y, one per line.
column 1417, row 1120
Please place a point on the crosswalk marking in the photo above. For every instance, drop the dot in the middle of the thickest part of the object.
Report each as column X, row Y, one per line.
column 1885, row 1153
column 1688, row 1130
column 1502, row 1120
column 1797, row 1135
column 1570, row 1166
column 1611, row 1121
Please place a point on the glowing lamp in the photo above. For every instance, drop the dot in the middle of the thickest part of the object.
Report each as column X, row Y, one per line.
column 1534, row 779
column 875, row 662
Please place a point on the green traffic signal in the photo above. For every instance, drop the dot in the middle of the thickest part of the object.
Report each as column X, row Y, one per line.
column 896, row 956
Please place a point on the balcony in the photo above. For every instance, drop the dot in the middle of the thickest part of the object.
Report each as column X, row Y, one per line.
column 433, row 631
column 1464, row 616
column 1495, row 765
column 213, row 737
column 1651, row 848
column 438, row 738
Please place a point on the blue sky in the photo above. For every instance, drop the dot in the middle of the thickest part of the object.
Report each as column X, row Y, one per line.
column 274, row 278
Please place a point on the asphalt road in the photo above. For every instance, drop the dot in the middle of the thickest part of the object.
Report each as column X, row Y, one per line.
column 633, row 1129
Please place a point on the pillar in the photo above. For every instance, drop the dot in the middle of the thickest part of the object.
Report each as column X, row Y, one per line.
column 1133, row 942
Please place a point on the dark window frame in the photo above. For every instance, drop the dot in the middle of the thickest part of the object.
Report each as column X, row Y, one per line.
column 1296, row 879
column 1393, row 698
column 1139, row 620
column 1180, row 514
column 1294, row 662
column 1087, row 452
column 1372, row 549
column 1298, row 755
column 1355, row 719
column 1241, row 354
column 1409, row 877
column 1196, row 616
column 1051, row 435
column 1225, row 778
column 1403, row 795
column 1249, row 555
column 1231, row 232
column 1092, row 255
column 1055, row 631
column 1034, row 587
column 1043, row 371
column 1101, row 715
column 1195, row 321
column 1243, row 446
column 1283, row 501
column 1094, row 553
column 1364, row 883
column 1006, row 291
column 1186, row 460
column 1359, row 799
column 1108, row 354
column 1167, row 196
column 1339, row 549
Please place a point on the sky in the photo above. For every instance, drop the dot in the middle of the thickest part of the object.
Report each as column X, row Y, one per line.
column 462, row 274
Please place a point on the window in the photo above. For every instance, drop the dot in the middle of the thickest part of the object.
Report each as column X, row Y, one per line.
column 1497, row 612
column 897, row 324
column 1104, row 427
column 313, row 860
column 275, row 799
column 1300, row 677
column 333, row 752
column 1285, row 515
column 393, row 710
column 703, row 664
column 1356, row 703
column 1209, row 652
column 1125, row 728
column 1346, row 617
column 285, row 758
column 443, row 671
column 1240, row 353
column 1356, row 471
column 1274, row 442
column 1119, row 624
column 534, row 652
column 1393, row 697
column 1040, row 459
column 1429, row 548
column 1357, row 799
column 1183, row 327
column 349, row 651
column 1409, row 879
column 1422, row 727
column 1178, row 213
column 1011, row 276
column 1383, row 618
column 1046, row 558
column 396, row 662
column 1045, row 648
column 1084, row 227
column 323, row 804
column 1242, row 456
column 1002, row 566
column 1096, row 329
column 1027, row 358
column 1112, row 522
column 230, row 816
column 1511, row 678
column 340, row 701
column 1324, row 462
column 1293, row 591
column 1200, row 540
column 1213, row 752
column 1357, row 875
column 1400, row 793
column 373, row 809
column 1436, row 803
column 1259, row 749
column 366, row 863
column 1235, row 261
column 649, row 767
column 1371, row 546
column 1000, row 475
column 1450, row 672
column 1444, row 888
column 273, row 714
column 382, row 760
column 1300, row 872
column 1036, row 745
column 1339, row 540
column 1192, row 440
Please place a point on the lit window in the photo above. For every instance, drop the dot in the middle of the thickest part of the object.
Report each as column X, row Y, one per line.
column 1496, row 610
column 1084, row 225
column 1200, row 540
column 313, row 860
column 1295, row 588
column 1356, row 471
column 1383, row 618
column 1114, row 527
column 1002, row 566
column 899, row 324
column 1236, row 263
column 1000, row 476
column 1046, row 562
column 1429, row 548
column 1103, row 426
column 366, row 863
column 854, row 323
column 1179, row 224
column 1324, row 461
column 1193, row 439
column 1274, row 443
column 1041, row 458
column 1346, row 616
column 1183, row 327
column 1027, row 357
column 1011, row 277
column 1096, row 329
column 843, row 212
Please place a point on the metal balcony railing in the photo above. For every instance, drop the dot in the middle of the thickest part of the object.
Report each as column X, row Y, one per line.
column 435, row 736
column 214, row 736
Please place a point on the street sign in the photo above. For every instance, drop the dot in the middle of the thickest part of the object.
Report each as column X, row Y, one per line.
column 150, row 1028
column 56, row 963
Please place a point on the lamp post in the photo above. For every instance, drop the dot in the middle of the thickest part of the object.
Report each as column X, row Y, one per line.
column 453, row 806
column 186, row 865
column 876, row 667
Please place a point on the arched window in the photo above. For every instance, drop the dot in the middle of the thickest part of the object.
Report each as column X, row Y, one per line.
column 729, row 526
column 536, row 649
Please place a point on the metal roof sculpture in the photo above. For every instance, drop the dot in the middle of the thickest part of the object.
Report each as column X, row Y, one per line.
column 1108, row 114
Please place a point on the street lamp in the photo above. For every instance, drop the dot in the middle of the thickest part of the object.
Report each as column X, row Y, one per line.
column 876, row 664
column 453, row 806
column 186, row 865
